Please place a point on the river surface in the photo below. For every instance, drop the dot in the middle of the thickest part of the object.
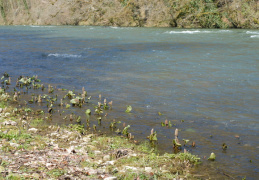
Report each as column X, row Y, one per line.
column 206, row 82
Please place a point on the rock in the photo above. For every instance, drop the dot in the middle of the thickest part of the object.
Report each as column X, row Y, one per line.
column 110, row 178
column 14, row 144
column 71, row 150
column 50, row 165
column 1, row 110
column 91, row 171
column 92, row 147
column 54, row 134
column 100, row 171
column 148, row 169
column 24, row 122
column 106, row 157
column 33, row 130
column 86, row 139
column 10, row 123
column 109, row 163
column 2, row 169
column 97, row 152
column 165, row 171
column 73, row 142
column 131, row 168
column 36, row 176
column 7, row 114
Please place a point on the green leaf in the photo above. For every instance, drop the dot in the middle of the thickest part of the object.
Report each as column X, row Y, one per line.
column 176, row 143
column 88, row 111
column 160, row 114
column 186, row 141
column 129, row 109
column 212, row 157
column 154, row 138
column 125, row 130
column 118, row 131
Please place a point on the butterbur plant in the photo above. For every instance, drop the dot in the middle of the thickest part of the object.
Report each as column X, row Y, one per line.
column 166, row 123
column 129, row 109
column 125, row 130
column 152, row 137
column 98, row 109
column 113, row 124
column 176, row 144
column 70, row 94
column 105, row 105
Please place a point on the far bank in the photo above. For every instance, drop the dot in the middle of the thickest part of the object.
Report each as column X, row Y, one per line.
column 132, row 13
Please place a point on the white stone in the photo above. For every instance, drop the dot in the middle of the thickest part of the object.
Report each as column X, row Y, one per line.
column 106, row 157
column 54, row 134
column 131, row 168
column 148, row 169
column 33, row 130
column 71, row 150
column 109, row 163
column 7, row 114
column 110, row 178
column 14, row 144
column 97, row 152
column 86, row 139
column 12, row 123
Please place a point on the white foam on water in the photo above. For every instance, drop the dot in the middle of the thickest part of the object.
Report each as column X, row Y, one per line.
column 197, row 32
column 252, row 32
column 114, row 27
column 225, row 31
column 41, row 26
column 254, row 36
column 187, row 32
column 65, row 55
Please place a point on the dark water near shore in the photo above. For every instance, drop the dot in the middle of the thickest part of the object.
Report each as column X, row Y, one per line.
column 205, row 81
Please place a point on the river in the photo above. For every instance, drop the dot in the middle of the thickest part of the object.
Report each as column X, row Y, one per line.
column 205, row 81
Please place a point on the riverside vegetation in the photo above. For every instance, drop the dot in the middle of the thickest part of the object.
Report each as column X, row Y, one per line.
column 32, row 148
column 141, row 13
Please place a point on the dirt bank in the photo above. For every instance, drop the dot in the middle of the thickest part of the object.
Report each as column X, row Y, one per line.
column 144, row 13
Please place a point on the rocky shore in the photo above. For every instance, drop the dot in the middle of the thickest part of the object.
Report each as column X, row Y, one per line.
column 31, row 147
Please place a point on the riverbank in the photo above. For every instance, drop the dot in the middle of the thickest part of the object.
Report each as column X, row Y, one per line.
column 32, row 148
column 132, row 13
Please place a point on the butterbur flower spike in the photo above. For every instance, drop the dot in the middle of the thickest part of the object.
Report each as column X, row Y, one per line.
column 176, row 132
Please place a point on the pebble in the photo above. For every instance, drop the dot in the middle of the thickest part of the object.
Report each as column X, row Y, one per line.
column 14, row 144
column 110, row 178
column 97, row 152
column 109, row 163
column 7, row 114
column 91, row 147
column 36, row 176
column 12, row 123
column 106, row 157
column 86, row 139
column 131, row 168
column 33, row 130
column 148, row 169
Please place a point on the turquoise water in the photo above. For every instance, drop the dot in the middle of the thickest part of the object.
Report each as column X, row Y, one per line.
column 205, row 81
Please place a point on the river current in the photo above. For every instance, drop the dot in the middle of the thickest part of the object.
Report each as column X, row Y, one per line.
column 206, row 82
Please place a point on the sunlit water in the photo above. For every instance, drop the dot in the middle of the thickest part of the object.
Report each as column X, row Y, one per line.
column 204, row 81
